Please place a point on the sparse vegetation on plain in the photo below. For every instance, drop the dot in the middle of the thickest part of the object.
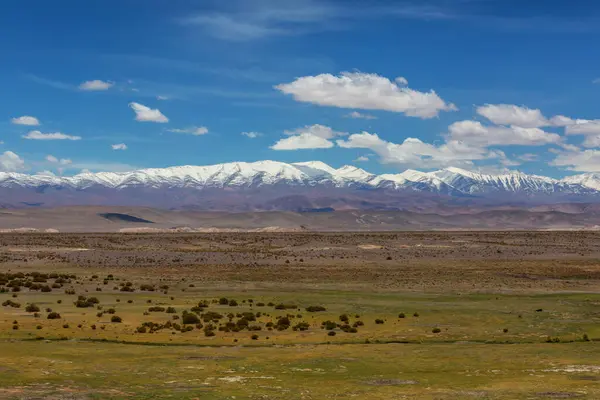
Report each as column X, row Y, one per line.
column 327, row 319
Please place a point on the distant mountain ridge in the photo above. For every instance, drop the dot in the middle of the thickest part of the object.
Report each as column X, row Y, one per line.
column 272, row 185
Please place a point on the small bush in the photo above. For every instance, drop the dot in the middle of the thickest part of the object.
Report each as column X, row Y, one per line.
column 379, row 321
column 190, row 319
column 586, row 338
column 401, row 315
column 331, row 333
column 254, row 337
column 10, row 303
column 436, row 330
column 32, row 308
column 416, row 315
column 116, row 319
column 54, row 315
column 315, row 309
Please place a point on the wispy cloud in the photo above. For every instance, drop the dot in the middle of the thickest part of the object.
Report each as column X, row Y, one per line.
column 257, row 19
column 50, row 82
column 95, row 85
column 247, row 20
column 37, row 135
column 119, row 146
column 194, row 130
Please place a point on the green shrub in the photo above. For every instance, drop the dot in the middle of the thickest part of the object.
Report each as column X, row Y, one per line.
column 315, row 309
column 379, row 321
column 436, row 330
column 329, row 325
column 32, row 308
column 331, row 333
column 190, row 319
column 401, row 315
column 54, row 315
column 116, row 319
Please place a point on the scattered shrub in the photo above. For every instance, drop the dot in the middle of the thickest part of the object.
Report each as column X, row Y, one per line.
column 32, row 308
column 436, row 330
column 315, row 309
column 54, row 315
column 116, row 319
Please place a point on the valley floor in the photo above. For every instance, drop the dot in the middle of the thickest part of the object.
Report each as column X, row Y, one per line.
column 445, row 315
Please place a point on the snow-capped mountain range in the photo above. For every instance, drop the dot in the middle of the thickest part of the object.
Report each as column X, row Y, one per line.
column 262, row 184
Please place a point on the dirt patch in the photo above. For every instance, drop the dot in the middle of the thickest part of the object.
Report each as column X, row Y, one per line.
column 390, row 382
column 559, row 395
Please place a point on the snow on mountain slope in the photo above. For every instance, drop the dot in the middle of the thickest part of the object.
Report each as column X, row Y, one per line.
column 589, row 180
column 449, row 181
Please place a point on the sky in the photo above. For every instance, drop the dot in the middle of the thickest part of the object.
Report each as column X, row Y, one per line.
column 117, row 85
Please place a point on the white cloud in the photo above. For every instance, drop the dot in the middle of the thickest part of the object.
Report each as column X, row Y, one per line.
column 11, row 162
column 54, row 160
column 252, row 135
column 96, row 85
column 561, row 120
column 597, row 80
column 321, row 131
column 583, row 127
column 475, row 133
column 162, row 98
column 365, row 91
column 528, row 157
column 194, row 130
column 357, row 115
column 591, row 141
column 509, row 114
column 415, row 153
column 37, row 135
column 302, row 142
column 26, row 120
column 362, row 159
column 583, row 161
column 308, row 137
column 147, row 114
column 119, row 146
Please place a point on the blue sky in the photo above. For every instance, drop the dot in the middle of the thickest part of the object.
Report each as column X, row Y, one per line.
column 386, row 85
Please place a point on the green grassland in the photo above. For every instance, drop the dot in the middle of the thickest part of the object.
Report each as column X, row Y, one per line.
column 446, row 346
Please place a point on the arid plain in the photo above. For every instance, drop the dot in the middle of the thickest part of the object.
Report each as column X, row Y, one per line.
column 423, row 315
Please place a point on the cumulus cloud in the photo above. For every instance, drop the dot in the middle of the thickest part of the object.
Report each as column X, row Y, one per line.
column 358, row 115
column 582, row 161
column 26, row 120
column 362, row 159
column 147, row 114
column 119, row 146
column 474, row 132
column 308, row 137
column 583, row 127
column 11, row 162
column 95, row 85
column 251, row 135
column 302, row 142
column 509, row 114
column 415, row 153
column 366, row 92
column 194, row 130
column 37, row 135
